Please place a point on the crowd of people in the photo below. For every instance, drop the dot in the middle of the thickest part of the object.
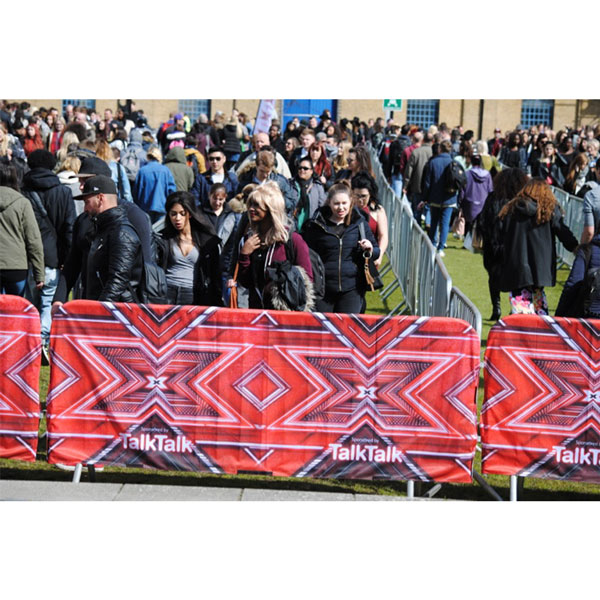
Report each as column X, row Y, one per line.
column 505, row 194
column 86, row 200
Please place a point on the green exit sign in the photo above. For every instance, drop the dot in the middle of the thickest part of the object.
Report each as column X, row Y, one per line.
column 397, row 104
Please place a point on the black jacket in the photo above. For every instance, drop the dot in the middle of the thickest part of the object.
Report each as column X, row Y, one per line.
column 84, row 230
column 529, row 255
column 58, row 203
column 114, row 263
column 207, row 284
column 341, row 255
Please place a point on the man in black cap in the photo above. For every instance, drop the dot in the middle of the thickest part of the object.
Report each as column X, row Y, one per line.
column 83, row 233
column 114, row 262
column 54, row 211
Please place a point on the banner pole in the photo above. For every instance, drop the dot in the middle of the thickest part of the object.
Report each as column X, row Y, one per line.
column 513, row 488
column 410, row 489
column 77, row 473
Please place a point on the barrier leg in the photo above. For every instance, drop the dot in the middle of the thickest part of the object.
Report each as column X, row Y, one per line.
column 486, row 486
column 514, row 483
column 410, row 489
column 77, row 473
column 92, row 473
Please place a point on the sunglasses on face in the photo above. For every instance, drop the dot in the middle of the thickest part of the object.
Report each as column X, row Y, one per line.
column 214, row 158
column 304, row 168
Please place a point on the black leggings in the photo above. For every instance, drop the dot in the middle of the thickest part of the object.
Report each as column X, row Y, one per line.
column 341, row 302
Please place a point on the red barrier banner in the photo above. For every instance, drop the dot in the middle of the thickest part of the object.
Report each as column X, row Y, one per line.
column 288, row 393
column 541, row 412
column 20, row 355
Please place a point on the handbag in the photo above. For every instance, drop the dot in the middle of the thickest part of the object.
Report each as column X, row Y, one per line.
column 233, row 297
column 473, row 241
column 458, row 225
column 372, row 276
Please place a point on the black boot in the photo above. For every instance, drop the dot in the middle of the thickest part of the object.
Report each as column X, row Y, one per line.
column 495, row 298
column 497, row 311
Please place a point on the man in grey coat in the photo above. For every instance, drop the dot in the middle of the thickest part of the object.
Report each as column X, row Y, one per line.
column 413, row 173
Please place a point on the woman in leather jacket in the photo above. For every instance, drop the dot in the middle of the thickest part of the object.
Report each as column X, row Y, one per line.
column 189, row 253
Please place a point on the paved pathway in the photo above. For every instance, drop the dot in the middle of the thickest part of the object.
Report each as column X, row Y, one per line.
column 20, row 490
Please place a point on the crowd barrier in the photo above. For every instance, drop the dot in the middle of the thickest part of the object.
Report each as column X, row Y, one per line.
column 573, row 207
column 20, row 353
column 302, row 394
column 287, row 393
column 541, row 412
column 418, row 271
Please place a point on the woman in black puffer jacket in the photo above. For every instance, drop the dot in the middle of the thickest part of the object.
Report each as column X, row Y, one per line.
column 335, row 234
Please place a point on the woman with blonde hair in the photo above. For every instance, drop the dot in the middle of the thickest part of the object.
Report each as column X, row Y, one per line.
column 531, row 222
column 578, row 173
column 67, row 174
column 69, row 142
column 267, row 243
column 54, row 139
column 340, row 162
column 117, row 171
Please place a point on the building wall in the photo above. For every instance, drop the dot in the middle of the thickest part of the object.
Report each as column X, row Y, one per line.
column 504, row 113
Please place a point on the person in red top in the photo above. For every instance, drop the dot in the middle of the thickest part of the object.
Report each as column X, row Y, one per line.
column 33, row 139
column 321, row 165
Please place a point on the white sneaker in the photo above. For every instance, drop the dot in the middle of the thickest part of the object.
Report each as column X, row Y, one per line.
column 441, row 253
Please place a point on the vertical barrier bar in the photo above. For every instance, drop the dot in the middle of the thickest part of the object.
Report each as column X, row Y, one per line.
column 513, row 488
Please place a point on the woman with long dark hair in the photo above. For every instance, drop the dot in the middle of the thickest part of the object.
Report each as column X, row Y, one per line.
column 189, row 253
column 311, row 193
column 531, row 223
column 358, row 160
column 507, row 184
column 365, row 190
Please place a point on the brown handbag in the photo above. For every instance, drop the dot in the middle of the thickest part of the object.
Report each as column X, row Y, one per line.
column 233, row 297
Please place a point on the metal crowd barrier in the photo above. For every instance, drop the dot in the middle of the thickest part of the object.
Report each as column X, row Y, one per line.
column 419, row 273
column 573, row 207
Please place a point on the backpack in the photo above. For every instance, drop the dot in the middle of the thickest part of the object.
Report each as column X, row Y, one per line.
column 454, row 178
column 589, row 293
column 318, row 268
column 153, row 282
column 289, row 286
column 130, row 161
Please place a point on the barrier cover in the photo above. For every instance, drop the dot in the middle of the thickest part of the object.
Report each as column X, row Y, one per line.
column 541, row 412
column 287, row 393
column 20, row 355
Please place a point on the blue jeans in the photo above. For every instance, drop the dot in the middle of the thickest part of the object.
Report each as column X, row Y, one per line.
column 42, row 299
column 13, row 282
column 440, row 217
column 397, row 185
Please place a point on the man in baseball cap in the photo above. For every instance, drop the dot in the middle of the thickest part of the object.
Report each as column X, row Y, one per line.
column 114, row 263
column 97, row 184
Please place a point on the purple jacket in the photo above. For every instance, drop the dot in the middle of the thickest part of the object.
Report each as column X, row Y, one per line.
column 472, row 197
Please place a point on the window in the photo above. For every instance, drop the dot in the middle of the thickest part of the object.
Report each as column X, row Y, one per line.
column 422, row 112
column 90, row 104
column 534, row 112
column 193, row 108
